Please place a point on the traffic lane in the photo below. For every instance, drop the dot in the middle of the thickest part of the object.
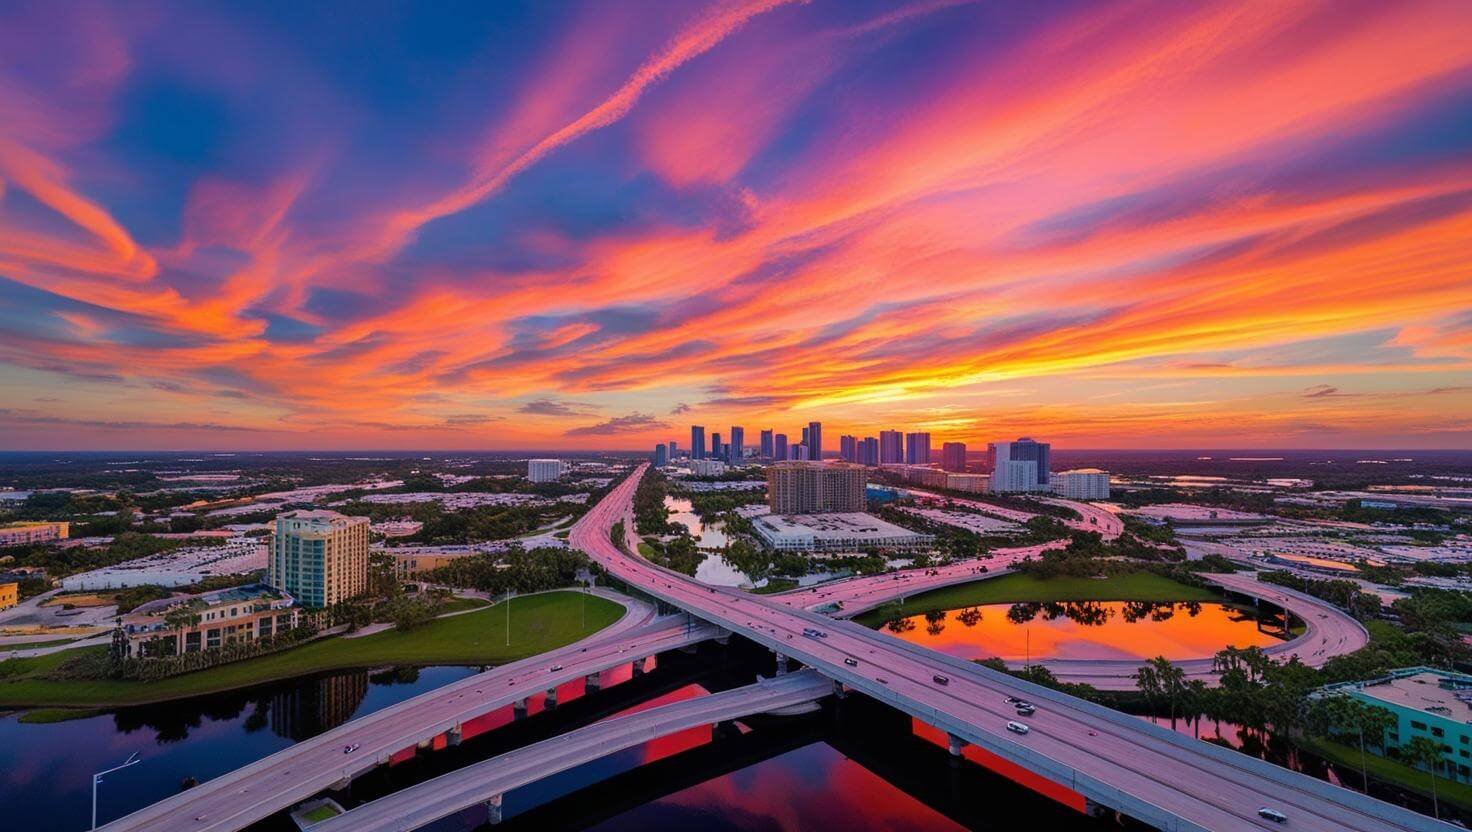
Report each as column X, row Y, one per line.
column 215, row 798
column 426, row 802
column 1110, row 771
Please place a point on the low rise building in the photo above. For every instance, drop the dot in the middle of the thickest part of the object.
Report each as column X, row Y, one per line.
column 22, row 534
column 9, row 595
column 178, row 567
column 1081, row 484
column 1426, row 702
column 970, row 483
column 835, row 532
column 190, row 623
column 397, row 528
column 707, row 468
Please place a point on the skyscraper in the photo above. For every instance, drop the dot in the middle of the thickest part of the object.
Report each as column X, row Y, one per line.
column 779, row 447
column 815, row 441
column 1019, row 466
column 320, row 557
column 673, row 448
column 738, row 441
column 715, row 446
column 804, row 436
column 869, row 451
column 767, row 448
column 697, row 442
column 661, row 455
column 953, row 456
column 848, row 448
column 891, row 447
column 917, row 448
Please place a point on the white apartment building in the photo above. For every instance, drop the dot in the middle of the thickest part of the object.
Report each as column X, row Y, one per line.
column 545, row 470
column 1016, row 476
column 1081, row 484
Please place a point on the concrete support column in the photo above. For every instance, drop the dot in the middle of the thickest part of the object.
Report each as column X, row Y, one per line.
column 518, row 709
column 954, row 744
column 455, row 735
column 638, row 667
column 781, row 664
column 724, row 638
column 591, row 682
column 493, row 810
column 552, row 697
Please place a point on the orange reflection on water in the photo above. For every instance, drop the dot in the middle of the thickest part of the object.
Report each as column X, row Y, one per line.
column 1084, row 630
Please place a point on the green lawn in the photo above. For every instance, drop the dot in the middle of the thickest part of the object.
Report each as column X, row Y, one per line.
column 1388, row 771
column 538, row 623
column 646, row 550
column 460, row 604
column 32, row 645
column 1137, row 586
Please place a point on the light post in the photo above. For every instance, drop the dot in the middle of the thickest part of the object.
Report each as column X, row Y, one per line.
column 509, row 596
column 97, row 780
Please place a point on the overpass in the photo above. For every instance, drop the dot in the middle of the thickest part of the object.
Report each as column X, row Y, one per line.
column 1329, row 631
column 487, row 781
column 1112, row 759
column 258, row 790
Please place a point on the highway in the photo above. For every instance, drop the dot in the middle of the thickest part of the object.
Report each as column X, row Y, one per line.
column 429, row 801
column 1329, row 631
column 256, row 791
column 1150, row 773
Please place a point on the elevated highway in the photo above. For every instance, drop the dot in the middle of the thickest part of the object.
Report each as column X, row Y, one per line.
column 487, row 781
column 256, row 791
column 1114, row 760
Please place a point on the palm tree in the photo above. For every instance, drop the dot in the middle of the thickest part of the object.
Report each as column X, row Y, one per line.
column 1172, row 682
column 1424, row 751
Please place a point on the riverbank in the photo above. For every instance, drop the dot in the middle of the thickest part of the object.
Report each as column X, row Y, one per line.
column 538, row 623
column 1019, row 587
column 1390, row 771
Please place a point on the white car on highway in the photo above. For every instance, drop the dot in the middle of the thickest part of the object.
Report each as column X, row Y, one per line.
column 1017, row 727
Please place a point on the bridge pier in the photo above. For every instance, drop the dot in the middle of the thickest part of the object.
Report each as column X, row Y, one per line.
column 1095, row 810
column 724, row 638
column 954, row 744
column 518, row 709
column 591, row 683
column 493, row 810
column 839, row 690
column 638, row 667
column 781, row 664
column 551, row 697
column 455, row 735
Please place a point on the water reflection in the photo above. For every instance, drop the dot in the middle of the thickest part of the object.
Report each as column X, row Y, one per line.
column 1087, row 630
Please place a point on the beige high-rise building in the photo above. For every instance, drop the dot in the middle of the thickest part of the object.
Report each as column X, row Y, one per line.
column 813, row 487
column 320, row 557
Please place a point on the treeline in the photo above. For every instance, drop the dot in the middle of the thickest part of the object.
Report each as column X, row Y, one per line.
column 650, row 515
column 1346, row 595
column 516, row 569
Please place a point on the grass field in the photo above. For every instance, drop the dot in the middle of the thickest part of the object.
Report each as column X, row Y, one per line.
column 1138, row 586
column 1387, row 770
column 461, row 604
column 538, row 623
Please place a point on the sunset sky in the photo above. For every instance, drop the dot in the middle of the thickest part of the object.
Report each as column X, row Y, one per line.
column 499, row 225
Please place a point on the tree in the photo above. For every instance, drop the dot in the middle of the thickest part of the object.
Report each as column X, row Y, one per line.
column 1160, row 678
column 1424, row 751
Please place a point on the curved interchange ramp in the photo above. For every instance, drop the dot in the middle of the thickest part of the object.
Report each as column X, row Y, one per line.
column 487, row 781
column 254, row 792
column 1158, row 776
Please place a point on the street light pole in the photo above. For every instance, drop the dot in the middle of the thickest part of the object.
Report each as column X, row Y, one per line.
column 97, row 779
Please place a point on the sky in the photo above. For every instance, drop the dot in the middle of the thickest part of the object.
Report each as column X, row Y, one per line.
column 338, row 225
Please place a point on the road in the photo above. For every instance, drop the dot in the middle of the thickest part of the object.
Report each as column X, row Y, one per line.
column 429, row 801
column 1329, row 631
column 256, row 791
column 1091, row 518
column 1155, row 775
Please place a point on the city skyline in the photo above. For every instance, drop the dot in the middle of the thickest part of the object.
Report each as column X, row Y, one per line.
column 586, row 226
